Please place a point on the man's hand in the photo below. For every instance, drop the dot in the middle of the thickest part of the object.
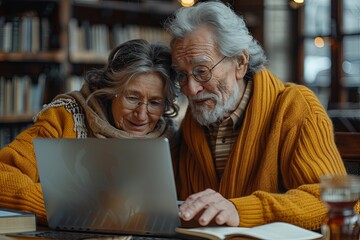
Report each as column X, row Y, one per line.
column 209, row 206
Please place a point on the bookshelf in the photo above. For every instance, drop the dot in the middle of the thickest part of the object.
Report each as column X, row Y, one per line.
column 47, row 45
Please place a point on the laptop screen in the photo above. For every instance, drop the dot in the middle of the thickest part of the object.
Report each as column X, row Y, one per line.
column 108, row 185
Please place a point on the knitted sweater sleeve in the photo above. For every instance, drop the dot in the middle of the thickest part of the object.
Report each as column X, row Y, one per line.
column 308, row 152
column 19, row 180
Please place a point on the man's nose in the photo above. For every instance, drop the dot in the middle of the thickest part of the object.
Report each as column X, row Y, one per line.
column 192, row 87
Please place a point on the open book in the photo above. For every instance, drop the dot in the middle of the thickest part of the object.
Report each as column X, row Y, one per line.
column 271, row 231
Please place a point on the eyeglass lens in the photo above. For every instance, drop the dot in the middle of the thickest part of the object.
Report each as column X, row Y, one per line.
column 152, row 106
column 201, row 73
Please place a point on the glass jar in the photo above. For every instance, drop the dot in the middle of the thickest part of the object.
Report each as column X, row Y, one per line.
column 340, row 193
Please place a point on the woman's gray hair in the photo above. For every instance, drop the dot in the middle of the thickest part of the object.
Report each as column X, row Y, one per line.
column 230, row 32
column 127, row 61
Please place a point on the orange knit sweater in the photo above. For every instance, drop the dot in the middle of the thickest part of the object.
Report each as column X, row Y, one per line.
column 285, row 144
column 63, row 118
column 19, row 180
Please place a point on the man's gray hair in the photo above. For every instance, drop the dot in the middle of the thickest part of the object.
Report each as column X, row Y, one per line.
column 230, row 32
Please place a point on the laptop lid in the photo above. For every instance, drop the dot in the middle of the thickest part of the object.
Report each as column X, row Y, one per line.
column 121, row 186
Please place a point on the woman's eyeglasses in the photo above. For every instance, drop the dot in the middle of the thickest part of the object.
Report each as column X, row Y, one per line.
column 131, row 102
column 201, row 74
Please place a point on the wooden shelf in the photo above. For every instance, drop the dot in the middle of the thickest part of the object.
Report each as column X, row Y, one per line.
column 55, row 56
column 10, row 119
column 88, row 58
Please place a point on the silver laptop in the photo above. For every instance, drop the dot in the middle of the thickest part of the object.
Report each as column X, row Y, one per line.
column 121, row 186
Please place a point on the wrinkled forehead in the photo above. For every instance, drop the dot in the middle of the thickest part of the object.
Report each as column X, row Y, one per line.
column 145, row 84
column 196, row 47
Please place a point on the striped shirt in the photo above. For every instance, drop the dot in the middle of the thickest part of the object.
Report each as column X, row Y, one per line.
column 222, row 136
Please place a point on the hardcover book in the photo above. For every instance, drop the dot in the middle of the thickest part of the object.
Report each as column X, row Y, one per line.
column 12, row 221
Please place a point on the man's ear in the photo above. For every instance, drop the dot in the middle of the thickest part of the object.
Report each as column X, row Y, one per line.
column 242, row 65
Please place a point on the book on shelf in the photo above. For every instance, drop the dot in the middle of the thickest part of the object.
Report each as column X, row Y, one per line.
column 45, row 31
column 74, row 83
column 21, row 94
column 270, row 231
column 25, row 34
column 7, row 35
column 5, row 136
column 2, row 24
column 99, row 39
column 2, row 95
column 8, row 132
column 12, row 221
column 15, row 34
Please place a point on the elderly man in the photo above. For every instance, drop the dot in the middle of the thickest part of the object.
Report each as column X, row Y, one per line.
column 252, row 148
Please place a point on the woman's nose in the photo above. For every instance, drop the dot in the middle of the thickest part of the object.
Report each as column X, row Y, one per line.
column 141, row 111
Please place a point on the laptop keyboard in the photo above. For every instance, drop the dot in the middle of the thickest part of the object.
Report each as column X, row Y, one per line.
column 60, row 235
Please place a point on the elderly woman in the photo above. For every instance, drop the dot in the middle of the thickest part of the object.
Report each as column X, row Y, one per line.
column 132, row 96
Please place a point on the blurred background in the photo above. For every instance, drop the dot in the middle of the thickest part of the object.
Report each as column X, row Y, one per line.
column 47, row 45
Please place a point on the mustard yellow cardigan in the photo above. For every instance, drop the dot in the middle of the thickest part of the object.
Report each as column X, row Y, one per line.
column 285, row 144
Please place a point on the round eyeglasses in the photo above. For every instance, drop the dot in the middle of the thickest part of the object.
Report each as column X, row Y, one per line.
column 201, row 74
column 156, row 106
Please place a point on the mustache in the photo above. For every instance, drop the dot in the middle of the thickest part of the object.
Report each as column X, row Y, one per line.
column 204, row 96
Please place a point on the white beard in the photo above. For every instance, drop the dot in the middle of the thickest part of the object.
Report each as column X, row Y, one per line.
column 205, row 117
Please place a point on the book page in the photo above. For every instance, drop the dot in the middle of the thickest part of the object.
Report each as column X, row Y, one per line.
column 282, row 231
column 212, row 232
column 271, row 231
